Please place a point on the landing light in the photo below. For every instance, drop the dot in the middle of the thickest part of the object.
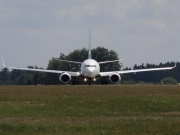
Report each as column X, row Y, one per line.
column 78, row 73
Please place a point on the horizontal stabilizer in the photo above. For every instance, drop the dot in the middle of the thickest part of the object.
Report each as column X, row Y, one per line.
column 110, row 61
column 71, row 61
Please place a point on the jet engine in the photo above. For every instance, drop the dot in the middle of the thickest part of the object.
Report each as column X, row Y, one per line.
column 114, row 78
column 65, row 77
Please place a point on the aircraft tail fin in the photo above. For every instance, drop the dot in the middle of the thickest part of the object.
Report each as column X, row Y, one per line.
column 89, row 49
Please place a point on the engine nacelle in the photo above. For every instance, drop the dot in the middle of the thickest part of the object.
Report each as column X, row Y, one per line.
column 114, row 78
column 65, row 77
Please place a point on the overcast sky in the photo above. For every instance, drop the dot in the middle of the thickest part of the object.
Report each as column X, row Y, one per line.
column 140, row 31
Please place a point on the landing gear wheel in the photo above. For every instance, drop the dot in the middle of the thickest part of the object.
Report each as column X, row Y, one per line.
column 90, row 82
column 104, row 82
column 75, row 82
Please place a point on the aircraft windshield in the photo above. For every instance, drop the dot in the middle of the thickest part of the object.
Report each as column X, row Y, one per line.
column 90, row 66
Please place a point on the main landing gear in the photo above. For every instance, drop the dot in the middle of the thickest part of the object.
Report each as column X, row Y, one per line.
column 75, row 81
column 104, row 81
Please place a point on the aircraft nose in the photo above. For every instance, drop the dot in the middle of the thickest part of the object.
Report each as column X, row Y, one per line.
column 90, row 72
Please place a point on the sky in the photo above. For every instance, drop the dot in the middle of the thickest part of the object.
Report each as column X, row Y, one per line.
column 140, row 31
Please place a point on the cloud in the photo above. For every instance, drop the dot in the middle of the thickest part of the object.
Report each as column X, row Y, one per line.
column 7, row 14
column 157, row 25
column 78, row 11
column 121, row 8
column 97, row 12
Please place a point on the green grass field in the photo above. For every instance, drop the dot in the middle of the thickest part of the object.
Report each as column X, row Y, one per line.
column 93, row 110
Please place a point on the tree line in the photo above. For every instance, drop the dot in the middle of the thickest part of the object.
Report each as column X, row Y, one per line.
column 155, row 77
column 18, row 77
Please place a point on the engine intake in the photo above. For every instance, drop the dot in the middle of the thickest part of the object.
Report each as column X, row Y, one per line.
column 114, row 78
column 65, row 77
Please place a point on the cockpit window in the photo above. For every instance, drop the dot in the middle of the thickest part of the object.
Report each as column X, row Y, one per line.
column 87, row 66
column 90, row 66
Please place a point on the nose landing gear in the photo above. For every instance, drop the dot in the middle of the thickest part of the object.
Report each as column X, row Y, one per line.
column 90, row 82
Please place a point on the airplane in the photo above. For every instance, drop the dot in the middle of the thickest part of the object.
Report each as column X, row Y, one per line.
column 89, row 70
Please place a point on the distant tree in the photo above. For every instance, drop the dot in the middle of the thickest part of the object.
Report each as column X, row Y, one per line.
column 4, row 77
column 155, row 76
column 128, row 82
column 176, row 72
column 169, row 80
column 24, row 79
column 18, row 77
column 39, row 78
column 54, row 64
column 15, row 74
column 100, row 54
column 77, row 55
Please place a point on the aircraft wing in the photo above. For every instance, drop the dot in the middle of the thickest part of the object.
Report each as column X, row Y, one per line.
column 47, row 71
column 135, row 71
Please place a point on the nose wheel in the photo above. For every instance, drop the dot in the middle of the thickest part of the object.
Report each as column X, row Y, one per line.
column 90, row 82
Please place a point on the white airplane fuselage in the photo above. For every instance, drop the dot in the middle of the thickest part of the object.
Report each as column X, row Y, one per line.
column 90, row 68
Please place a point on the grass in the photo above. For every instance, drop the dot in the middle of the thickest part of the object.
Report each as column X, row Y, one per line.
column 113, row 109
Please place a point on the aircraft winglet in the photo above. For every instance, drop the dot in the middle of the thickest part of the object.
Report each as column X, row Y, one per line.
column 3, row 62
